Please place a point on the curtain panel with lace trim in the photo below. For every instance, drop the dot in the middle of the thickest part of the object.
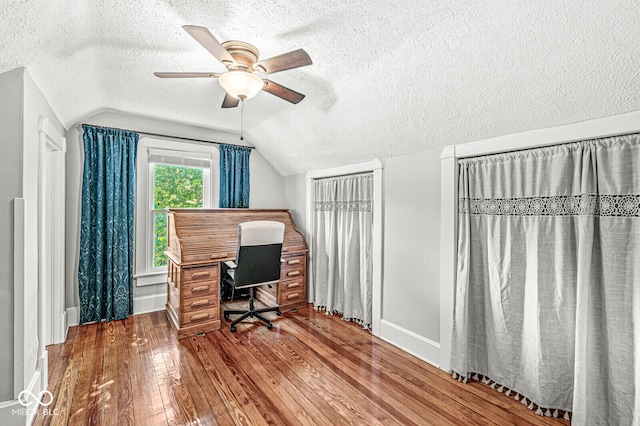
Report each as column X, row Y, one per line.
column 548, row 278
column 342, row 245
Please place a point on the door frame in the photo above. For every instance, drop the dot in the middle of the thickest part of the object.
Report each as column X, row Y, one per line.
column 51, row 234
column 374, row 166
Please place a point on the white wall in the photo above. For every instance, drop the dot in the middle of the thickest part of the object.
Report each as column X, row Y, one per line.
column 295, row 190
column 410, row 295
column 266, row 190
column 21, row 107
column 11, row 111
column 36, row 106
column 267, row 185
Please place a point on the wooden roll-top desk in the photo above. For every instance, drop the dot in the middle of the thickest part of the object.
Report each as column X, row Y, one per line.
column 198, row 241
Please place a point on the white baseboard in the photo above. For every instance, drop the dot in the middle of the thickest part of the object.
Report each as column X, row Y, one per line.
column 418, row 346
column 13, row 412
column 65, row 325
column 143, row 305
column 73, row 317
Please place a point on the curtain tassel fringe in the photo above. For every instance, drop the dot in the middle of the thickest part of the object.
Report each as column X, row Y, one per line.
column 540, row 411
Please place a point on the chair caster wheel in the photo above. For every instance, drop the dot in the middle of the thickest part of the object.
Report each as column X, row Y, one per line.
column 233, row 329
column 269, row 326
column 278, row 313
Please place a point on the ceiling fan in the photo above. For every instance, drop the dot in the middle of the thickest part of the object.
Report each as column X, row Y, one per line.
column 243, row 79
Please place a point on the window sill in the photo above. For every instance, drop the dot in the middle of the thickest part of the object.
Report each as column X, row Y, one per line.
column 153, row 278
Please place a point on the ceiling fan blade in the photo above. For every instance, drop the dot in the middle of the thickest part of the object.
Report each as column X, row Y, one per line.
column 282, row 92
column 230, row 101
column 286, row 61
column 209, row 42
column 186, row 74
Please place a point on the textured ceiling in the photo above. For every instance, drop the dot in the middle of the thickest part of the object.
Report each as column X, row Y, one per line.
column 390, row 78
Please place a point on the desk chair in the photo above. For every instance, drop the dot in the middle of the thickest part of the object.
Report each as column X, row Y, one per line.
column 257, row 263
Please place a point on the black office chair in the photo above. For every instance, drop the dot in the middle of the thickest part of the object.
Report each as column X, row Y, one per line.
column 257, row 263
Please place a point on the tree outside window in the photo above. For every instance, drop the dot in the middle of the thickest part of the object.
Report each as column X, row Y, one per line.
column 173, row 187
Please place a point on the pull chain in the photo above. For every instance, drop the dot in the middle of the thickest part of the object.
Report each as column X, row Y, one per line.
column 241, row 119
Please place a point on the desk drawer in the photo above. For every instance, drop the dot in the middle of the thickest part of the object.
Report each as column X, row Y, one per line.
column 195, row 317
column 204, row 273
column 293, row 267
column 198, row 303
column 292, row 290
column 200, row 289
column 291, row 285
column 292, row 296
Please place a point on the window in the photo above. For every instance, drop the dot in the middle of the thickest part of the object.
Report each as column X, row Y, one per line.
column 172, row 187
column 167, row 178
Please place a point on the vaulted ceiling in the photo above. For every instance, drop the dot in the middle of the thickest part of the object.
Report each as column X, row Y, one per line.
column 390, row 78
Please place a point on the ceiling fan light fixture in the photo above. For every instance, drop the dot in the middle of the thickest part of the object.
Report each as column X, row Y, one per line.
column 241, row 84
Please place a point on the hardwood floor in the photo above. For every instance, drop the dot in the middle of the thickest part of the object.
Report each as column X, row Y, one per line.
column 310, row 369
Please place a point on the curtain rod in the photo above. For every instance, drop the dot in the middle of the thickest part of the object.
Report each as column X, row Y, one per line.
column 167, row 136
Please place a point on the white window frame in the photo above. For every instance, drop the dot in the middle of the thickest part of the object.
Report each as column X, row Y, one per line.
column 175, row 153
column 151, row 212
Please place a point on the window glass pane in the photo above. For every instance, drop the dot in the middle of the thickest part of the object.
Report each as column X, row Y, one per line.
column 159, row 239
column 173, row 187
column 177, row 186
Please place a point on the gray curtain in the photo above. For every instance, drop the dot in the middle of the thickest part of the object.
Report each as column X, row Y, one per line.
column 342, row 244
column 548, row 279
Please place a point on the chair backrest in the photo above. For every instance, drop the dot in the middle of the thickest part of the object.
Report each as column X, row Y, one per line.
column 259, row 251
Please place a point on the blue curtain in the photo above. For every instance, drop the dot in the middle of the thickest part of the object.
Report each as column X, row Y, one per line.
column 105, row 271
column 234, row 176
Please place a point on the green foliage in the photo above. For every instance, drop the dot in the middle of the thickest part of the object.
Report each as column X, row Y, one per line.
column 173, row 187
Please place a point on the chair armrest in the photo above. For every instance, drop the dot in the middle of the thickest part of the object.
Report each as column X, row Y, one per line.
column 231, row 264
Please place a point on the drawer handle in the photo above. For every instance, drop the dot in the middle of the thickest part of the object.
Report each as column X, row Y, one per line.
column 200, row 274
column 199, row 317
column 294, row 262
column 200, row 288
column 218, row 256
column 293, row 273
column 293, row 285
column 199, row 303
column 285, row 249
column 292, row 296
